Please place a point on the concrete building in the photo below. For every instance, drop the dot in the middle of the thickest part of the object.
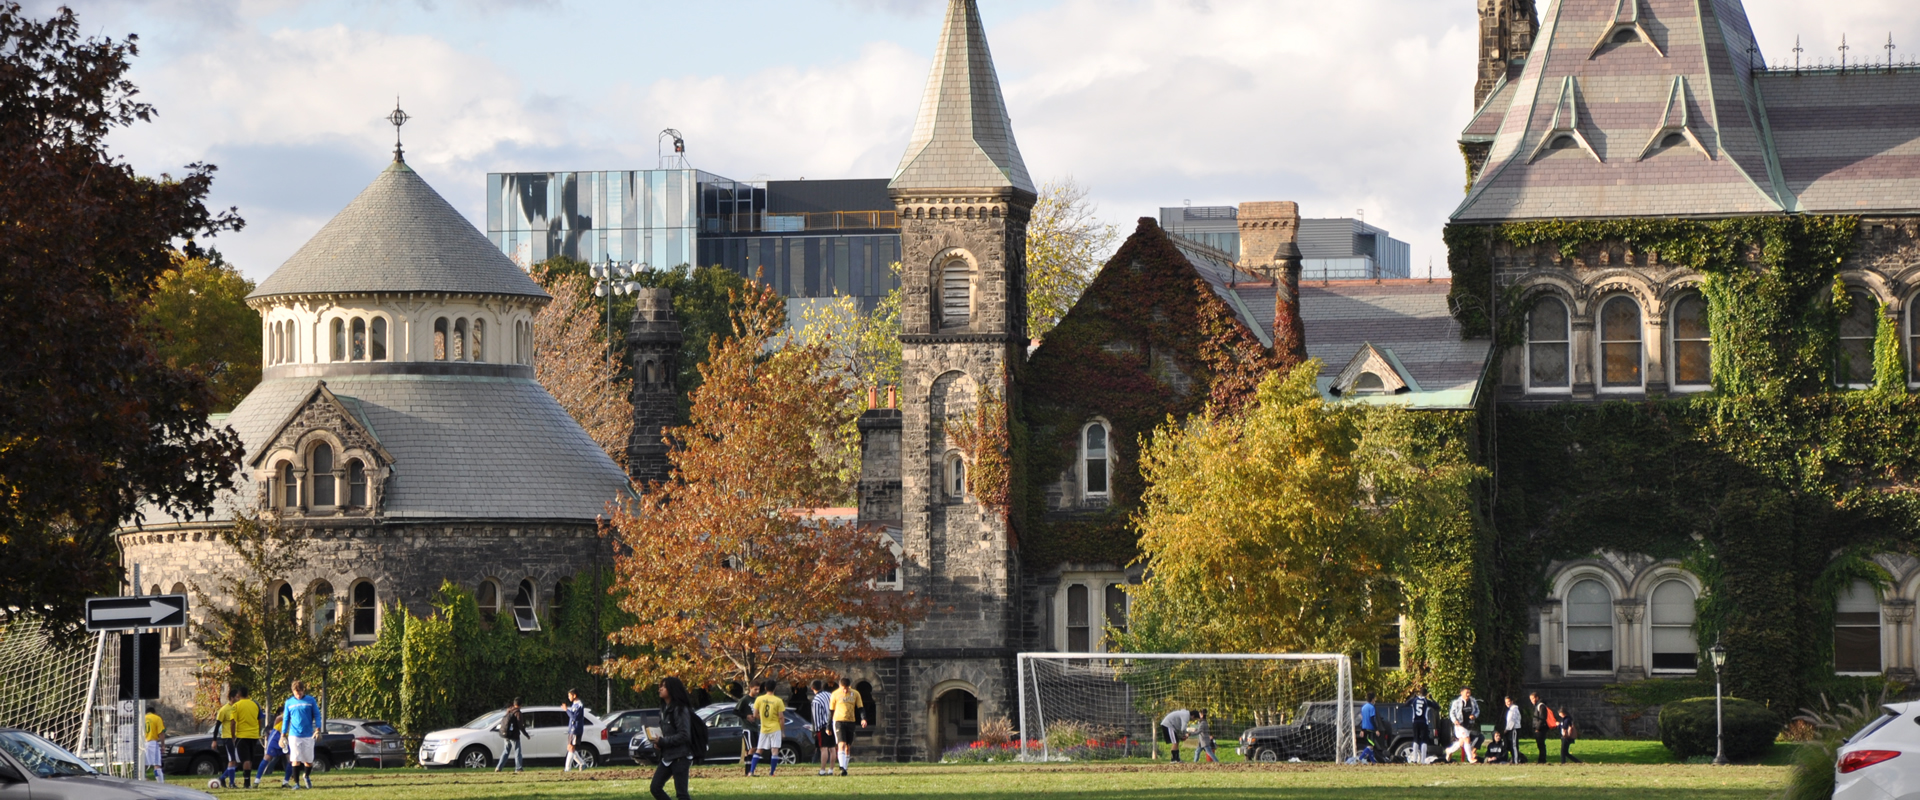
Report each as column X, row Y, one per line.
column 1341, row 248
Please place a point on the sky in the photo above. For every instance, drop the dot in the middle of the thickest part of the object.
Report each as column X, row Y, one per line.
column 1344, row 106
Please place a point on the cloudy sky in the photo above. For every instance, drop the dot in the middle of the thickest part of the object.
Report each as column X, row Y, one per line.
column 1341, row 105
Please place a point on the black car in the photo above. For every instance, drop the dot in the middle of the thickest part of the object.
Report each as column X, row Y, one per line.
column 622, row 726
column 1311, row 736
column 723, row 738
column 193, row 753
column 31, row 766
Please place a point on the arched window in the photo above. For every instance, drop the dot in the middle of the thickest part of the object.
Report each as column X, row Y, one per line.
column 356, row 484
column 487, row 597
column 321, row 612
column 321, row 469
column 1856, row 630
column 339, row 340
column 440, row 339
column 479, row 348
column 289, row 488
column 1117, row 607
column 646, row 373
column 283, row 597
column 1079, row 625
column 290, row 340
column 1621, row 356
column 1589, row 628
column 868, row 708
column 523, row 616
column 1857, row 329
column 357, row 343
column 377, row 345
column 1093, row 456
column 366, row 611
column 956, row 294
column 956, row 478
column 1369, row 383
column 457, row 345
column 523, row 343
column 1548, row 350
column 1692, row 343
column 1674, row 648
column 175, row 640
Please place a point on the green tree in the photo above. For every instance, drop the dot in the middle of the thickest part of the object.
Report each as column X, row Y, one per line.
column 93, row 424
column 1066, row 245
column 253, row 635
column 199, row 320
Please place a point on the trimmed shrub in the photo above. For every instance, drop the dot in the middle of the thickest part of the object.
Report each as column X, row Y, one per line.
column 1687, row 729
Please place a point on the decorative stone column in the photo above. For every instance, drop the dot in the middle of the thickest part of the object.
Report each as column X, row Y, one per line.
column 1585, row 348
column 1630, row 663
column 1896, row 638
column 1551, row 667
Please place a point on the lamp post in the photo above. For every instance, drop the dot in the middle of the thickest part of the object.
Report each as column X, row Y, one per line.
column 614, row 278
column 606, row 656
column 326, row 668
column 1719, row 655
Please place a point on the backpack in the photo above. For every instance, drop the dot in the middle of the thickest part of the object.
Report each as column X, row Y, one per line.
column 697, row 732
column 1552, row 721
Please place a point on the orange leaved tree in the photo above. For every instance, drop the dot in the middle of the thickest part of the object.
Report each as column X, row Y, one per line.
column 727, row 574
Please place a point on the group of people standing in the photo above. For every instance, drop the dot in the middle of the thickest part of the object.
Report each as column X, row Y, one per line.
column 1463, row 714
column 836, row 719
column 237, row 733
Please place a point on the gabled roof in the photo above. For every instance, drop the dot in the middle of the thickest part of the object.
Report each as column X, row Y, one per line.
column 321, row 394
column 1408, row 324
column 398, row 236
column 963, row 138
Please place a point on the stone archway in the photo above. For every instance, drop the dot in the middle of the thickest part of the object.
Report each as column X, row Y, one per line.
column 953, row 718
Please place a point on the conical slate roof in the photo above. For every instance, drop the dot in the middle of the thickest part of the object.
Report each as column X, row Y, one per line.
column 398, row 236
column 963, row 138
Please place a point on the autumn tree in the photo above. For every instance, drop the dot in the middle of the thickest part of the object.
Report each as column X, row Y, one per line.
column 575, row 364
column 1286, row 525
column 724, row 572
column 1066, row 244
column 863, row 347
column 199, row 320
column 93, row 423
column 253, row 634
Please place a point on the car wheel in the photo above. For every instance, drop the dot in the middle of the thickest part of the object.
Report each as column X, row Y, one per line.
column 474, row 757
column 588, row 756
column 205, row 765
column 1401, row 753
column 322, row 763
column 789, row 754
column 1266, row 755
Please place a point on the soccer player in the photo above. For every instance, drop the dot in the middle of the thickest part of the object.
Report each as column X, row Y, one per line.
column 156, row 733
column 846, row 705
column 302, row 728
column 576, row 730
column 223, row 739
column 772, row 713
column 1462, row 714
column 246, row 733
column 823, row 726
column 1175, row 725
column 1422, row 710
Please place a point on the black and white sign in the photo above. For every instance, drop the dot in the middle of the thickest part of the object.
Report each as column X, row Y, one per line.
column 127, row 613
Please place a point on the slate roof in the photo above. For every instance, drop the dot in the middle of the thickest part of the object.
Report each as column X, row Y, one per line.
column 398, row 235
column 1409, row 322
column 963, row 138
column 463, row 447
column 1848, row 142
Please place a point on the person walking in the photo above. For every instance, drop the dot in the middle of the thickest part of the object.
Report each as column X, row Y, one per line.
column 576, row 730
column 1203, row 738
column 1423, row 710
column 156, row 732
column 1510, row 732
column 771, row 712
column 245, row 743
column 822, row 705
column 1568, row 735
column 302, row 715
column 1174, row 724
column 846, row 705
column 513, row 726
column 676, row 739
column 1542, row 721
column 276, row 751
column 1462, row 713
column 1369, row 723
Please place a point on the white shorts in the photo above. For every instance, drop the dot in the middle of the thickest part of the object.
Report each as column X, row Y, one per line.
column 770, row 741
column 300, row 749
column 153, row 755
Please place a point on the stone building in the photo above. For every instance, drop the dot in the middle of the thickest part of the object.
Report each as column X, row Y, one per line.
column 398, row 425
column 1665, row 109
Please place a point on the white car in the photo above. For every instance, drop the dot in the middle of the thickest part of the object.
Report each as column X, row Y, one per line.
column 479, row 744
column 1882, row 761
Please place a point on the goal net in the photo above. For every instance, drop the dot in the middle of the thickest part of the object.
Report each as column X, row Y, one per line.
column 1074, row 706
column 45, row 688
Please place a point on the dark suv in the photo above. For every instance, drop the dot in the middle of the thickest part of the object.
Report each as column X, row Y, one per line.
column 1310, row 737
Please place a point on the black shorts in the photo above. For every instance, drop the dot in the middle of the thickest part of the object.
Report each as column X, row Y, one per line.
column 823, row 738
column 245, row 751
column 844, row 731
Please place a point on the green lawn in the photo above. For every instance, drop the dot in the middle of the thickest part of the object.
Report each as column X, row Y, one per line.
column 1622, row 778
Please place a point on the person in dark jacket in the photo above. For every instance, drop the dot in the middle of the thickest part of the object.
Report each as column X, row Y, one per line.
column 512, row 727
column 676, row 739
column 743, row 709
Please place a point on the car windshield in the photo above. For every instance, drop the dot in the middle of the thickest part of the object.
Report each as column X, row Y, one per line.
column 1886, row 715
column 485, row 721
column 381, row 729
column 44, row 758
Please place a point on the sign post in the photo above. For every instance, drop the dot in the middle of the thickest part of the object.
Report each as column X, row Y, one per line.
column 132, row 614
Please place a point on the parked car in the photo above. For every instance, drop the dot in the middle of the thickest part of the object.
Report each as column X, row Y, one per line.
column 479, row 744
column 623, row 725
column 1311, row 735
column 1882, row 761
column 194, row 754
column 375, row 742
column 723, row 738
column 31, row 766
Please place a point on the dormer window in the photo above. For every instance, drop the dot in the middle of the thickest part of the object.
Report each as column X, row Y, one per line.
column 356, row 484
column 288, row 487
column 1369, row 383
column 322, row 471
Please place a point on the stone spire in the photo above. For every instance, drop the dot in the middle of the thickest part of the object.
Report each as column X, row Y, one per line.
column 963, row 138
column 1507, row 30
column 654, row 340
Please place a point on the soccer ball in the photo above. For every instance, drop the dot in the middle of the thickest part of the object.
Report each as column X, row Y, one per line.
column 213, row 784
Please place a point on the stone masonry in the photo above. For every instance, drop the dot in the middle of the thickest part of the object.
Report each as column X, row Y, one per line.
column 653, row 340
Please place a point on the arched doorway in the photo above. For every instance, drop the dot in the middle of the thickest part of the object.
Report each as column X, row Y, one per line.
column 954, row 719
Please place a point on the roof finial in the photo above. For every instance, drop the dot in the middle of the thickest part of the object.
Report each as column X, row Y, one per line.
column 398, row 118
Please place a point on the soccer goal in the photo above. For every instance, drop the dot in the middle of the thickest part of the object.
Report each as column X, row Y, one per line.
column 53, row 689
column 1090, row 706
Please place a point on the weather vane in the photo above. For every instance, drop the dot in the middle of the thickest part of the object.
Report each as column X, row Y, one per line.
column 398, row 118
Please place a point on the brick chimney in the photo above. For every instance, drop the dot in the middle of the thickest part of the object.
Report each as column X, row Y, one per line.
column 1269, row 247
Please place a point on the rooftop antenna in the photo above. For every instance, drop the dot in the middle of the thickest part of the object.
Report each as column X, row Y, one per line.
column 1797, row 50
column 678, row 158
column 398, row 118
column 1843, row 52
column 1429, row 269
column 1889, row 48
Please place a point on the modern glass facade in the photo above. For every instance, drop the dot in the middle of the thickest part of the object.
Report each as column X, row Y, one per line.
column 1330, row 249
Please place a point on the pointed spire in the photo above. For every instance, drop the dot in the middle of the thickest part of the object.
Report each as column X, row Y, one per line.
column 963, row 138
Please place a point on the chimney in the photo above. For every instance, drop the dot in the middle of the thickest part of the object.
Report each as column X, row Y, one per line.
column 1268, row 247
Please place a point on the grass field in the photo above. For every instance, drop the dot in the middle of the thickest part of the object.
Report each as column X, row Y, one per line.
column 1619, row 771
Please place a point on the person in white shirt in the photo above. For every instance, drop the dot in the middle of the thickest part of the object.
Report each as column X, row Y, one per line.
column 1511, row 733
column 1462, row 713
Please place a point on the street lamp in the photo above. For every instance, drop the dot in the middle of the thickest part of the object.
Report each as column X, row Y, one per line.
column 326, row 667
column 606, row 656
column 614, row 278
column 1719, row 655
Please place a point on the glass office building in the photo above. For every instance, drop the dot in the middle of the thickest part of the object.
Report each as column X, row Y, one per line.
column 803, row 238
column 1342, row 248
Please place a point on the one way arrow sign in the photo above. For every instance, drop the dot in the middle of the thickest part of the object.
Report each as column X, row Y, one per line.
column 127, row 613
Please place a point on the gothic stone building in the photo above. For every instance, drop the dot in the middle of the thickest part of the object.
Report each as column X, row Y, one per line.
column 399, row 426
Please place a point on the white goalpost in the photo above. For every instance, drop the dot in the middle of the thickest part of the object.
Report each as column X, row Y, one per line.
column 1090, row 706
